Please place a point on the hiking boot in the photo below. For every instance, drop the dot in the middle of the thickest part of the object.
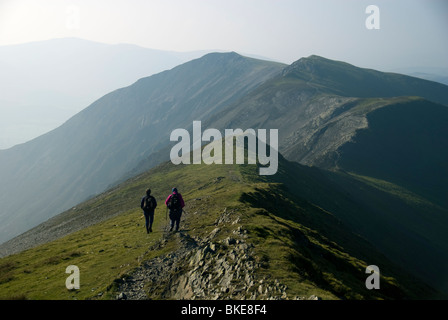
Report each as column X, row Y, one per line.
column 150, row 229
column 171, row 229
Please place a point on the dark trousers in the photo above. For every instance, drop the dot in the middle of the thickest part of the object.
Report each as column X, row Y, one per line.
column 175, row 218
column 149, row 218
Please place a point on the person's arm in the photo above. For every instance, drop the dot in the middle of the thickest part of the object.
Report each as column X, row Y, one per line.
column 141, row 204
column 167, row 200
column 155, row 202
column 182, row 203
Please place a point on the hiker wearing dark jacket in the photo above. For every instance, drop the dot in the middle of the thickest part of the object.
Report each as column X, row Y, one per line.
column 148, row 204
column 175, row 203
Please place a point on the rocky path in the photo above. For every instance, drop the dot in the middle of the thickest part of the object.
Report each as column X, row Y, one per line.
column 204, row 269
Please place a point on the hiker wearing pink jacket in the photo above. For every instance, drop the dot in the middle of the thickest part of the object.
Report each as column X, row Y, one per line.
column 175, row 203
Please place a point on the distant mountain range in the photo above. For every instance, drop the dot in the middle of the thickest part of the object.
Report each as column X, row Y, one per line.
column 376, row 144
column 428, row 73
column 45, row 83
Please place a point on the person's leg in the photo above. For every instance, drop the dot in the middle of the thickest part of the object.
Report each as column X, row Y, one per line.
column 151, row 221
column 171, row 221
column 147, row 222
column 178, row 220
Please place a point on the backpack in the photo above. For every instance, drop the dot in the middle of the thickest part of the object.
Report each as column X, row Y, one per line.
column 148, row 204
column 174, row 203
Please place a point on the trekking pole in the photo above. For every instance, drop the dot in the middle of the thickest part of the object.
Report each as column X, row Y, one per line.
column 166, row 219
column 185, row 213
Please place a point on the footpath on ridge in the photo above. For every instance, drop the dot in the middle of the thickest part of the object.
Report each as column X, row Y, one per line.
column 202, row 267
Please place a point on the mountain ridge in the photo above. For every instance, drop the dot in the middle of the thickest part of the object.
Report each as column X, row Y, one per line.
column 345, row 79
column 235, row 242
column 400, row 151
column 322, row 124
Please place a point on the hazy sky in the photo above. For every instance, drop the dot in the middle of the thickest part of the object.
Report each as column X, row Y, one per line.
column 412, row 32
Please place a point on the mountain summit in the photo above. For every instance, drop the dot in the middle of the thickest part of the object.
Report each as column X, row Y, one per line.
column 347, row 80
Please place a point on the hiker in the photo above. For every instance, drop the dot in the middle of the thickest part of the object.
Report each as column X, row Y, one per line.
column 148, row 204
column 175, row 203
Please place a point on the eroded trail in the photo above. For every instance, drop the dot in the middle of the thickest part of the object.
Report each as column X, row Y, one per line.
column 202, row 268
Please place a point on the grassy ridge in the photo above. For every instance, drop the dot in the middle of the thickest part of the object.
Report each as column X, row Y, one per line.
column 102, row 253
column 110, row 249
column 295, row 242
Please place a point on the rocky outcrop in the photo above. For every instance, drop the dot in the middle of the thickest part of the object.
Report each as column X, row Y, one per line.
column 210, row 268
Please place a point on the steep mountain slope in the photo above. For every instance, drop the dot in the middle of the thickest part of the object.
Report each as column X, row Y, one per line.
column 406, row 144
column 407, row 228
column 242, row 236
column 330, row 113
column 97, row 146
